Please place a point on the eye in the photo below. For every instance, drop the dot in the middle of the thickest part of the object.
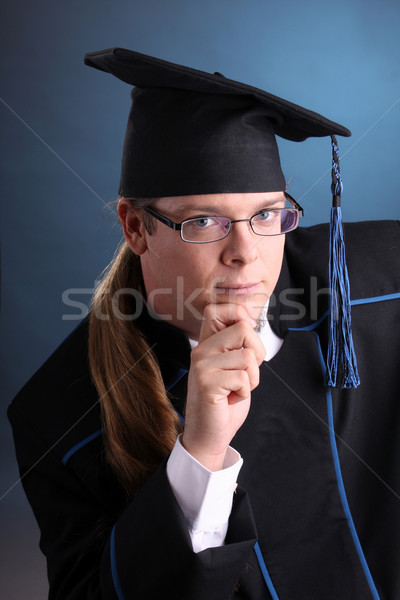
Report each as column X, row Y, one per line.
column 263, row 215
column 203, row 222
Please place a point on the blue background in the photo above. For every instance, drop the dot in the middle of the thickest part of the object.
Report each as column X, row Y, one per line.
column 62, row 131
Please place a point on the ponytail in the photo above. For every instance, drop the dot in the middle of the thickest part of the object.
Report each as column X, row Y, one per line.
column 140, row 425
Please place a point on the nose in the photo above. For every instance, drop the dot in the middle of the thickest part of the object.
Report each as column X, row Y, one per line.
column 240, row 246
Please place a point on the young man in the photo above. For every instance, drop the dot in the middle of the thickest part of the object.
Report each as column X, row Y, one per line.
column 212, row 313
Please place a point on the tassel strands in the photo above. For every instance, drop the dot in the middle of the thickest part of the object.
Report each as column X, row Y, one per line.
column 341, row 360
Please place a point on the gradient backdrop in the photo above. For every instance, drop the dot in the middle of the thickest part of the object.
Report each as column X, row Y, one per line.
column 62, row 131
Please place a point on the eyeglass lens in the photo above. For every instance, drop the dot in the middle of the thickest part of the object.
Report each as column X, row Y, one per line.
column 268, row 222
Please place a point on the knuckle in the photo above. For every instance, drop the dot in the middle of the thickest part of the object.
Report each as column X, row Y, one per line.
column 248, row 355
column 209, row 311
column 196, row 365
column 241, row 312
column 244, row 378
column 255, row 380
column 243, row 327
column 195, row 354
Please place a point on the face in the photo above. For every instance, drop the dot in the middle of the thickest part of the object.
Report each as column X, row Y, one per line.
column 181, row 278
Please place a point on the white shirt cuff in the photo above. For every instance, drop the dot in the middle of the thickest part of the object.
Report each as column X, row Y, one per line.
column 204, row 496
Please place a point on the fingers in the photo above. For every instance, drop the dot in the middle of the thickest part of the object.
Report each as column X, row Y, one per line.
column 225, row 329
column 219, row 316
column 237, row 336
column 223, row 384
column 224, row 370
column 218, row 371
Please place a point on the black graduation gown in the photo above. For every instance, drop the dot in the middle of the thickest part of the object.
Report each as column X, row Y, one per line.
column 317, row 511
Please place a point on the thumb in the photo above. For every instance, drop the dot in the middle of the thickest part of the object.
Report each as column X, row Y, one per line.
column 220, row 316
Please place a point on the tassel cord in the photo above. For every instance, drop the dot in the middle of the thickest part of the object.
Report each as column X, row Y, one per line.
column 341, row 360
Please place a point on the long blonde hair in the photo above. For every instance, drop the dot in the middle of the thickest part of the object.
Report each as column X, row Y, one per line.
column 140, row 425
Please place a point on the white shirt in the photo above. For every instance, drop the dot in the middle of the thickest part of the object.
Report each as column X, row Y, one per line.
column 204, row 496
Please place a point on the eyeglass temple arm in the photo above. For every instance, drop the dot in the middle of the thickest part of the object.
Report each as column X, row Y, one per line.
column 295, row 204
column 172, row 224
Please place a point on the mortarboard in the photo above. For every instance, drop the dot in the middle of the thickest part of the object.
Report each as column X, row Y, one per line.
column 192, row 132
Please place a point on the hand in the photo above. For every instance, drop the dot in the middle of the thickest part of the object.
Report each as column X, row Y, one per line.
column 224, row 370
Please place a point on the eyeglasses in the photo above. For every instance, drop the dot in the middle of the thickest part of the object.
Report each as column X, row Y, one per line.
column 209, row 228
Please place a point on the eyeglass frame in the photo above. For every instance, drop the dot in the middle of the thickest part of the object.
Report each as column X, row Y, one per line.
column 178, row 226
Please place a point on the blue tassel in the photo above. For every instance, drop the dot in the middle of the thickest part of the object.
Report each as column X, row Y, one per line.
column 341, row 360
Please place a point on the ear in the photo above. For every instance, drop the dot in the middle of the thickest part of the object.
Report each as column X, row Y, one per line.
column 132, row 224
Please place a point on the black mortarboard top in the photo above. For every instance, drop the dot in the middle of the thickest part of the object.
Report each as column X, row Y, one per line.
column 192, row 132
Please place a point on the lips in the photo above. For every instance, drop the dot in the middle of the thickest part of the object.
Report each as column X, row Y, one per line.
column 238, row 289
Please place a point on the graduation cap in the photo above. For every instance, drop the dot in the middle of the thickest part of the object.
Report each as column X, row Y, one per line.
column 192, row 132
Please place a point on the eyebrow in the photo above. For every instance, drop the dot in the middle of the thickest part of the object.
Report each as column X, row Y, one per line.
column 213, row 210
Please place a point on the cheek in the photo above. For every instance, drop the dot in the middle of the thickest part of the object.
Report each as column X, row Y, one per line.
column 197, row 267
column 272, row 259
column 177, row 265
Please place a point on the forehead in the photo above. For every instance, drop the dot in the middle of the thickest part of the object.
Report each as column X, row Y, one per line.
column 224, row 204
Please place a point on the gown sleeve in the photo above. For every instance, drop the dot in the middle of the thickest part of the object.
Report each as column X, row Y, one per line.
column 98, row 547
